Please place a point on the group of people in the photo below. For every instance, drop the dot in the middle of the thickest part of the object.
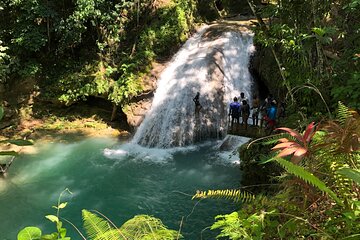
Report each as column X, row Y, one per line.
column 239, row 108
column 267, row 113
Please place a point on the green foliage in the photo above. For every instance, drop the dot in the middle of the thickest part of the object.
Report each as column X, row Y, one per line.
column 350, row 173
column 97, row 228
column 141, row 227
column 35, row 233
column 312, row 40
column 348, row 90
column 236, row 226
column 144, row 227
column 298, row 209
column 308, row 177
column 343, row 135
column 29, row 233
column 232, row 194
column 97, row 48
column 343, row 113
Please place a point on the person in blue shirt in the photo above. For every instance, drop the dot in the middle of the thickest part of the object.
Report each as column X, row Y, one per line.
column 271, row 116
column 234, row 111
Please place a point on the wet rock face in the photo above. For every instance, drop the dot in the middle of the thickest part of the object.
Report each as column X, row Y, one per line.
column 136, row 112
column 265, row 72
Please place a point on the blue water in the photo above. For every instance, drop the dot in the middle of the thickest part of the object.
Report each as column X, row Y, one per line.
column 119, row 184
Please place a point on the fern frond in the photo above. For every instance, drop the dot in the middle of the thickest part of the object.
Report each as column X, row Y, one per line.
column 97, row 228
column 230, row 194
column 343, row 113
column 147, row 227
column 308, row 177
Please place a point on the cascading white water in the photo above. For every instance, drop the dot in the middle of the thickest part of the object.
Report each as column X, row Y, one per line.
column 172, row 120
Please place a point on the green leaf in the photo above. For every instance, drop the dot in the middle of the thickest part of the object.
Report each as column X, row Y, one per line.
column 52, row 218
column 52, row 236
column 94, row 225
column 62, row 232
column 29, row 233
column 8, row 153
column 353, row 174
column 62, row 205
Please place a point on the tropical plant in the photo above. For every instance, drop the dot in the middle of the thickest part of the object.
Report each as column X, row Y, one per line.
column 343, row 134
column 230, row 194
column 318, row 196
column 99, row 227
column 308, row 177
column 237, row 226
column 299, row 147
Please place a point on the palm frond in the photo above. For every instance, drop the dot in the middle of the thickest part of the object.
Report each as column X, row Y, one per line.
column 97, row 228
column 147, row 227
column 308, row 177
column 230, row 194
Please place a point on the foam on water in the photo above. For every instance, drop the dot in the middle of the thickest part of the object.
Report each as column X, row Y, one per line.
column 227, row 149
column 139, row 153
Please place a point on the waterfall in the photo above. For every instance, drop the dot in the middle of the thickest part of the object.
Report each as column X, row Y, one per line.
column 212, row 62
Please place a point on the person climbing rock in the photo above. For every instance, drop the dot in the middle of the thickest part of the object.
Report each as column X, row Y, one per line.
column 196, row 100
column 234, row 111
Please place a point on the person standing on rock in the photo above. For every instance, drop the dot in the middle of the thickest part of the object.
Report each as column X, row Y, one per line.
column 234, row 111
column 245, row 113
column 241, row 99
column 255, row 110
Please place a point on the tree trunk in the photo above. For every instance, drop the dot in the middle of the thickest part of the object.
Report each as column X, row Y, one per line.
column 113, row 114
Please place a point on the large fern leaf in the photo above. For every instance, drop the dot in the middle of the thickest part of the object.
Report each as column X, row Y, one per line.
column 144, row 227
column 97, row 228
column 343, row 113
column 231, row 194
column 308, row 177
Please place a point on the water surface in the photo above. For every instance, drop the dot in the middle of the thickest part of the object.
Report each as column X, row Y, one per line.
column 121, row 182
